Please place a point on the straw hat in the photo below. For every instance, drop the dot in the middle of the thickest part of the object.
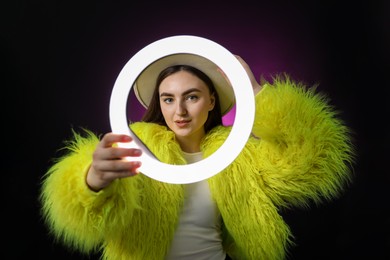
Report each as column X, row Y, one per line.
column 146, row 81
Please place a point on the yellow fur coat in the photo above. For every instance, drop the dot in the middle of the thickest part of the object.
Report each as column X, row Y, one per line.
column 302, row 155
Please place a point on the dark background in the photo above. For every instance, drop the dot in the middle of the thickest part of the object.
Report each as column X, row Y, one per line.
column 61, row 58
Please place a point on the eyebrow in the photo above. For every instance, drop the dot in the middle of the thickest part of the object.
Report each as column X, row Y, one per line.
column 165, row 94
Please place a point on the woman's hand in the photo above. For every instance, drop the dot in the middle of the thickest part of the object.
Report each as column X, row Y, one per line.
column 255, row 85
column 109, row 162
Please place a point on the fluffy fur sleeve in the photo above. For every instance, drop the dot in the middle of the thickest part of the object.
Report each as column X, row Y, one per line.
column 306, row 149
column 76, row 215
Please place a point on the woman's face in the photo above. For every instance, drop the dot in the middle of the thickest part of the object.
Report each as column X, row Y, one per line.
column 185, row 102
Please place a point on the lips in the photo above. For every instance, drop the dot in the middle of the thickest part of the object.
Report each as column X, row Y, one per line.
column 182, row 123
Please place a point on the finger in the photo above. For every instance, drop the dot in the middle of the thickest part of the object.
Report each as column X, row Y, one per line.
column 131, row 169
column 110, row 138
column 116, row 166
column 126, row 152
column 115, row 153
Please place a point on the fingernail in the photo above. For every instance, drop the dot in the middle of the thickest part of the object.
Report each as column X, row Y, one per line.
column 137, row 164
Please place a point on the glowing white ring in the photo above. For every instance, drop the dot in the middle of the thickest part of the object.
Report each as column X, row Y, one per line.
column 245, row 107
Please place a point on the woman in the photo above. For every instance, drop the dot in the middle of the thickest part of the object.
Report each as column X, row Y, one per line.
column 300, row 152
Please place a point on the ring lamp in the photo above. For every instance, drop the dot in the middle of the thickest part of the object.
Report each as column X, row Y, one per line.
column 241, row 129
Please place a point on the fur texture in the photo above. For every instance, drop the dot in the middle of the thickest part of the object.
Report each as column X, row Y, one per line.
column 303, row 153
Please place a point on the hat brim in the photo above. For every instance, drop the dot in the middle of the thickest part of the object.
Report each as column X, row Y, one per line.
column 146, row 82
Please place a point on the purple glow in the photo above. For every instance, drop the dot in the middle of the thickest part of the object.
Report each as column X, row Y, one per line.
column 228, row 119
column 273, row 50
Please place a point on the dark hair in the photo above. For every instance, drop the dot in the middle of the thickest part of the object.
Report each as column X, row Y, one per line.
column 154, row 114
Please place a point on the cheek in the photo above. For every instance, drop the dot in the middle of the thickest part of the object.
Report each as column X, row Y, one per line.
column 164, row 112
column 203, row 113
column 167, row 113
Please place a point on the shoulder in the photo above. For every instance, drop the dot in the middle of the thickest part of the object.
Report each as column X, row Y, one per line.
column 214, row 139
column 218, row 134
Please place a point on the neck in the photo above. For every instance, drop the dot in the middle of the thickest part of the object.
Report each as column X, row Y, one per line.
column 190, row 144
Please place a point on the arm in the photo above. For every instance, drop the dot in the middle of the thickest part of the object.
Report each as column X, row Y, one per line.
column 305, row 149
column 76, row 214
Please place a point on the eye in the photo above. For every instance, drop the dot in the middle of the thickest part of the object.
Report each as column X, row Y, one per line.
column 192, row 97
column 168, row 100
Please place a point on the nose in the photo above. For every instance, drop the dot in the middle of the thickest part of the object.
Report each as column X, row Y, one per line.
column 181, row 108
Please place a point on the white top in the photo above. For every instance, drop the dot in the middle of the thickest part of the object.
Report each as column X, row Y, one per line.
column 198, row 235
